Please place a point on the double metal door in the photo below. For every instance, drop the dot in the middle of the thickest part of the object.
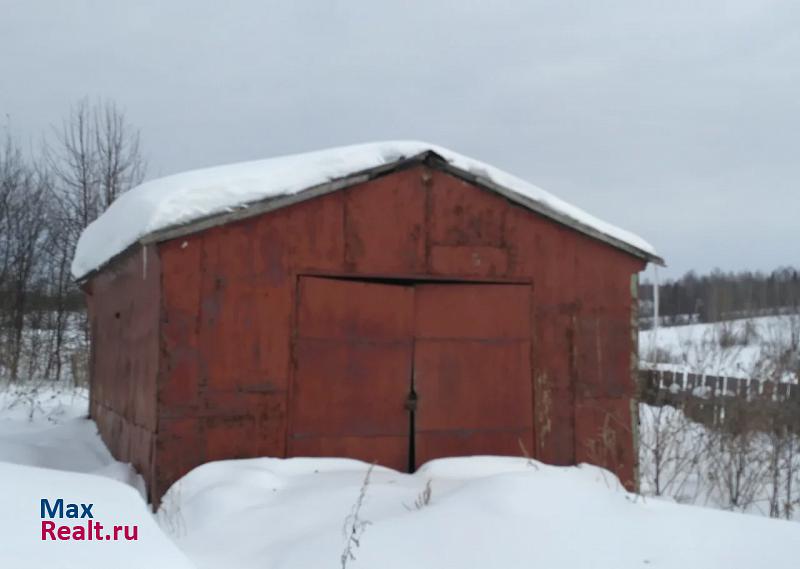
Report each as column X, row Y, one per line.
column 403, row 373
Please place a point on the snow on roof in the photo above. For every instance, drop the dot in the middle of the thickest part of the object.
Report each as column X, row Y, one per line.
column 179, row 199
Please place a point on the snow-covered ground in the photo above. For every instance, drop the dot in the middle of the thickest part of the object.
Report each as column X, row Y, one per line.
column 49, row 428
column 113, row 502
column 50, row 450
column 463, row 512
column 747, row 348
column 482, row 512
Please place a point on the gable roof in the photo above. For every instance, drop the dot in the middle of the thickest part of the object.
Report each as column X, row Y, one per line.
column 185, row 203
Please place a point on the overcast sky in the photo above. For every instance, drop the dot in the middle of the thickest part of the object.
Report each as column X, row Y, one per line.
column 679, row 121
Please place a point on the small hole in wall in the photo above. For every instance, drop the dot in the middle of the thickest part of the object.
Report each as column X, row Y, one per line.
column 116, row 315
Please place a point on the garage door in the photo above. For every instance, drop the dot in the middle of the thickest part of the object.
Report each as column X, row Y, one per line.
column 353, row 355
column 364, row 349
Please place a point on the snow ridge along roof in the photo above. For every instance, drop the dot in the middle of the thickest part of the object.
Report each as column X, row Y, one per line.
column 149, row 211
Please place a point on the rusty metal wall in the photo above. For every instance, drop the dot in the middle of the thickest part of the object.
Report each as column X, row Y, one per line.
column 228, row 313
column 123, row 303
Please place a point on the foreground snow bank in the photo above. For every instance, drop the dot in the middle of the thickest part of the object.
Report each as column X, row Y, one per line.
column 50, row 450
column 23, row 487
column 481, row 512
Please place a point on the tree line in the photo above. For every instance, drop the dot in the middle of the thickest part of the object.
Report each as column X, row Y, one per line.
column 47, row 197
column 720, row 296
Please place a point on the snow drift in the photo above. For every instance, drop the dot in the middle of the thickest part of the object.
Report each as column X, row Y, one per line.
column 21, row 546
column 482, row 512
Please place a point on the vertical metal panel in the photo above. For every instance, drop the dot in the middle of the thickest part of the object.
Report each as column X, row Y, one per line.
column 354, row 310
column 242, row 424
column 178, row 449
column 181, row 301
column 124, row 318
column 547, row 253
column 306, row 236
column 350, row 386
column 604, row 437
column 462, row 214
column 385, row 225
column 353, row 357
column 472, row 370
column 472, row 311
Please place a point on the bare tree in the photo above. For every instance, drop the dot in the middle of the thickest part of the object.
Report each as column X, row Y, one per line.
column 94, row 159
column 671, row 450
column 738, row 467
column 119, row 161
column 24, row 234
column 72, row 160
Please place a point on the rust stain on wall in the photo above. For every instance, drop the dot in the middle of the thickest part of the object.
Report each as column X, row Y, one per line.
column 543, row 404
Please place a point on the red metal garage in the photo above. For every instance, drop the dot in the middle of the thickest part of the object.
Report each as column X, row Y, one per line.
column 405, row 309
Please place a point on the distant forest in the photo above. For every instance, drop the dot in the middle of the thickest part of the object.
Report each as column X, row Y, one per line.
column 721, row 296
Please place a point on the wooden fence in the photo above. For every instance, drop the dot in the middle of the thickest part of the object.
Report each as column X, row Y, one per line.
column 726, row 402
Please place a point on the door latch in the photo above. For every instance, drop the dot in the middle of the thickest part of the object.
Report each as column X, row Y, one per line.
column 411, row 402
